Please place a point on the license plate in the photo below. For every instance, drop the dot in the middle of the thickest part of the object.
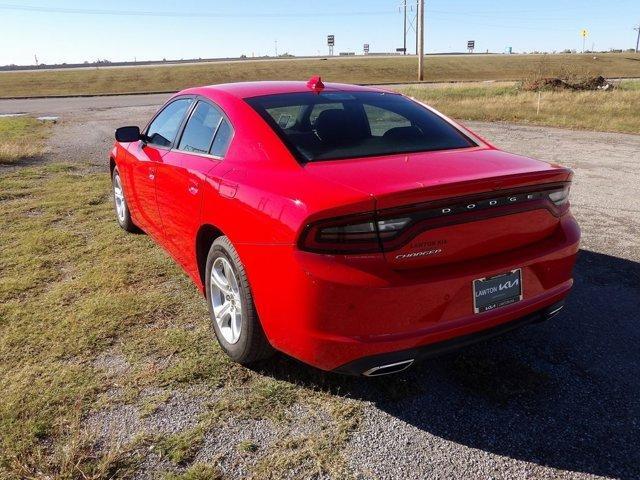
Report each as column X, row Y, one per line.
column 497, row 291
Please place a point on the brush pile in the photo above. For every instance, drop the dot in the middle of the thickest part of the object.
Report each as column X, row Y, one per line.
column 556, row 83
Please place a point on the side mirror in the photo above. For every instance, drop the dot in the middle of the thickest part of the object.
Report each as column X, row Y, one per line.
column 128, row 134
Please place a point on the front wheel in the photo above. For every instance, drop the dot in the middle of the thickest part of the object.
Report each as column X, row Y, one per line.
column 231, row 308
column 120, row 202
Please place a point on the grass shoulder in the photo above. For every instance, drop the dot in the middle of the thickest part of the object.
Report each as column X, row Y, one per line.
column 605, row 111
column 21, row 138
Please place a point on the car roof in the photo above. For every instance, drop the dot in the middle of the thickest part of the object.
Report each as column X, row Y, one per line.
column 255, row 89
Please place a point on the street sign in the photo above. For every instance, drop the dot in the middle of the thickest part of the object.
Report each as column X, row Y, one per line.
column 366, row 48
column 331, row 40
column 584, row 33
column 401, row 49
column 471, row 44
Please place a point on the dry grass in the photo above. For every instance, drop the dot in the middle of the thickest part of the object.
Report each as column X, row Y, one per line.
column 613, row 111
column 74, row 288
column 21, row 138
column 350, row 70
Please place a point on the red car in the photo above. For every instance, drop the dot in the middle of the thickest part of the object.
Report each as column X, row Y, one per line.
column 350, row 227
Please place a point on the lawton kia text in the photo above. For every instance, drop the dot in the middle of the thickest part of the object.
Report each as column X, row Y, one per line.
column 350, row 227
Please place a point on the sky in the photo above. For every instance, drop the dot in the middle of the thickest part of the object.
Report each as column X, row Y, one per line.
column 59, row 31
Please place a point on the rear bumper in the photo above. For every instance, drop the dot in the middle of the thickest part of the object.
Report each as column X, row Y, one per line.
column 331, row 311
column 393, row 362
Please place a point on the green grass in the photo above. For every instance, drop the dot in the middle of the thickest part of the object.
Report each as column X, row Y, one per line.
column 350, row 70
column 21, row 138
column 610, row 111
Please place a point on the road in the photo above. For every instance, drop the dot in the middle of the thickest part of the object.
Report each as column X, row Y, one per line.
column 553, row 400
column 62, row 106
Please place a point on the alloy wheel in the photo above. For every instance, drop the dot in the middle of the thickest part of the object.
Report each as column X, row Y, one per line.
column 119, row 195
column 226, row 300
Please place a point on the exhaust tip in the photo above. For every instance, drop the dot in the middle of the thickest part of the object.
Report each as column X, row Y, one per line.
column 388, row 369
column 555, row 311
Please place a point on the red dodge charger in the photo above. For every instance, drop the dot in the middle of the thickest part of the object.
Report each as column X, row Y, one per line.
column 352, row 228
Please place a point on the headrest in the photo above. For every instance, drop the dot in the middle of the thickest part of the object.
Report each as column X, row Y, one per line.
column 403, row 133
column 332, row 126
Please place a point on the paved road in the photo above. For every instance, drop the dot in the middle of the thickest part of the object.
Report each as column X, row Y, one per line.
column 65, row 106
column 554, row 400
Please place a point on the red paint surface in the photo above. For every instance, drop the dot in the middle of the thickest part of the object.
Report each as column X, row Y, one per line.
column 328, row 309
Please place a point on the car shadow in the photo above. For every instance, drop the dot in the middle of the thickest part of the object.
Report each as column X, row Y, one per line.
column 563, row 394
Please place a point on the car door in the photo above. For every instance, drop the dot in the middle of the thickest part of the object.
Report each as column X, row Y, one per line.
column 147, row 156
column 199, row 149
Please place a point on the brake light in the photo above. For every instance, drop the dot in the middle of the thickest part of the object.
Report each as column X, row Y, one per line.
column 386, row 230
column 560, row 197
column 353, row 234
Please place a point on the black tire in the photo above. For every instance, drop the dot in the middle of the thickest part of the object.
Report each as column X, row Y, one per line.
column 252, row 344
column 125, row 221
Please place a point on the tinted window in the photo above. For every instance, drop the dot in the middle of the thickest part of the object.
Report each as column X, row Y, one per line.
column 222, row 140
column 381, row 120
column 202, row 124
column 164, row 127
column 335, row 125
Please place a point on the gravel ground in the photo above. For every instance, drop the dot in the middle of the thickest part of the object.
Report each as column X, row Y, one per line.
column 553, row 400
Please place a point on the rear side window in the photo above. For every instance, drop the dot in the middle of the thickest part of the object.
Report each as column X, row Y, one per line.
column 201, row 126
column 222, row 140
column 335, row 125
column 164, row 128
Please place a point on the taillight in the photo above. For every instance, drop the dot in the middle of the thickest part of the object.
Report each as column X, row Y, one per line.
column 352, row 234
column 387, row 230
column 560, row 196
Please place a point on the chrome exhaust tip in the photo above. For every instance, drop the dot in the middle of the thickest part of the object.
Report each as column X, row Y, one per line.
column 388, row 369
column 555, row 311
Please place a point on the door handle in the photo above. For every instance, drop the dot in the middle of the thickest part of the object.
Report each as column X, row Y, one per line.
column 193, row 189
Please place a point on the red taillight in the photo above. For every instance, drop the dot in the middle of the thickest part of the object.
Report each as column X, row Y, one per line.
column 363, row 233
column 353, row 234
column 387, row 230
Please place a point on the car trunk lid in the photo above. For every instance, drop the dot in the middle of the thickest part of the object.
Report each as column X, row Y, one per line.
column 461, row 204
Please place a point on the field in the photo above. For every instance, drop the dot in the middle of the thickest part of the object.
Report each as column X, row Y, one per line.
column 614, row 111
column 109, row 368
column 348, row 70
column 92, row 320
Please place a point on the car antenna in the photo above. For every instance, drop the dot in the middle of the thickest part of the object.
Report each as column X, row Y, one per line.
column 315, row 83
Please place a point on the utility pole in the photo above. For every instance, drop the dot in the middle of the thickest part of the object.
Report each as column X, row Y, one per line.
column 638, row 40
column 404, row 28
column 420, row 39
column 416, row 23
column 276, row 48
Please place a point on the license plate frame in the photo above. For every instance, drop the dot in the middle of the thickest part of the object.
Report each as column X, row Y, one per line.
column 499, row 291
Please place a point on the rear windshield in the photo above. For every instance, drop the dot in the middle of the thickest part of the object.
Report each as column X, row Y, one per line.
column 335, row 125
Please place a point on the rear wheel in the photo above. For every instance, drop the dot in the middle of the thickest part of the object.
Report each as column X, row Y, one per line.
column 120, row 203
column 231, row 308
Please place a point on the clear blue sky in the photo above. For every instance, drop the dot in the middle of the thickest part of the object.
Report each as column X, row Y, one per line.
column 68, row 33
